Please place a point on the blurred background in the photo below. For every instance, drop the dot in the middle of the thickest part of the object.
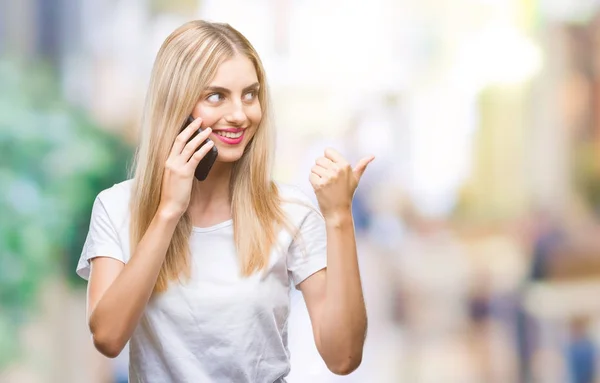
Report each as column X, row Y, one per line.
column 478, row 223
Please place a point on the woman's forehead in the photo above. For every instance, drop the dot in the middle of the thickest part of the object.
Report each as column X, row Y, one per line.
column 236, row 72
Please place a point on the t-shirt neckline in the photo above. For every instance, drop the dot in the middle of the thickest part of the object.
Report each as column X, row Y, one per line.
column 218, row 226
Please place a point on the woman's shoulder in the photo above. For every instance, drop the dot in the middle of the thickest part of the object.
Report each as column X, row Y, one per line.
column 118, row 192
column 296, row 201
column 115, row 199
column 289, row 193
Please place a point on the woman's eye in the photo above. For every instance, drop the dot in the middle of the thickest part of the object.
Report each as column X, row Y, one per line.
column 250, row 96
column 215, row 97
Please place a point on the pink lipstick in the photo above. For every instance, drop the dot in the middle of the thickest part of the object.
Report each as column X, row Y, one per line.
column 230, row 136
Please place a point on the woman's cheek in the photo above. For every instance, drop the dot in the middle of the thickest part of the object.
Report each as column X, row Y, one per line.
column 209, row 115
column 255, row 114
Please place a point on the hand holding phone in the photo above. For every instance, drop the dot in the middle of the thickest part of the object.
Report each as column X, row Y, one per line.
column 209, row 159
column 183, row 165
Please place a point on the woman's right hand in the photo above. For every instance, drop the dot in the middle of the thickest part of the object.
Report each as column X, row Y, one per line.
column 178, row 177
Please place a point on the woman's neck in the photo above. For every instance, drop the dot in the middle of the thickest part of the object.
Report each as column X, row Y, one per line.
column 210, row 203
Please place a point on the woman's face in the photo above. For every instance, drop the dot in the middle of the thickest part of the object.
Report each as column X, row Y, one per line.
column 229, row 105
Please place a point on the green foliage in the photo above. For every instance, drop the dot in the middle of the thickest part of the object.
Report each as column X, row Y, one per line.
column 53, row 162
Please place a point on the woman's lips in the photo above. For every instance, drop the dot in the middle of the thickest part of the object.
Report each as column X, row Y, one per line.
column 230, row 136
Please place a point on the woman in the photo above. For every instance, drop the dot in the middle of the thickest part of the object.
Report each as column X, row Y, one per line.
column 196, row 275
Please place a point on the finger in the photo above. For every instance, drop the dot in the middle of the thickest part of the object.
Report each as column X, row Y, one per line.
column 325, row 162
column 184, row 136
column 194, row 144
column 335, row 156
column 360, row 168
column 320, row 171
column 198, row 156
column 315, row 180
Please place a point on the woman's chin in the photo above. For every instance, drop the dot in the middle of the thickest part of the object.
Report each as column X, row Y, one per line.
column 230, row 155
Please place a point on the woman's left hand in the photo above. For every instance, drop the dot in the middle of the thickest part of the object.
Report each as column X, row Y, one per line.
column 335, row 181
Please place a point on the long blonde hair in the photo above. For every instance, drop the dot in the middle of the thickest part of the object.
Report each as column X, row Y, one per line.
column 186, row 63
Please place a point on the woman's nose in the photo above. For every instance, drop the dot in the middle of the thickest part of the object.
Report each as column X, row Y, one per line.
column 236, row 114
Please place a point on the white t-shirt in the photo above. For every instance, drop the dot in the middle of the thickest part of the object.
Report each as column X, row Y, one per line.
column 218, row 326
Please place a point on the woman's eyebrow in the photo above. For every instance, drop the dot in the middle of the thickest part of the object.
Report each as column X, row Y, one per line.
column 220, row 89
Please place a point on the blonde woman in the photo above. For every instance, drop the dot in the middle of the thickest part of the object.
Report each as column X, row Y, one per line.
column 196, row 275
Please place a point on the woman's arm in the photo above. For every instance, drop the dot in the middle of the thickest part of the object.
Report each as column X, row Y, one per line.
column 118, row 293
column 335, row 301
column 334, row 295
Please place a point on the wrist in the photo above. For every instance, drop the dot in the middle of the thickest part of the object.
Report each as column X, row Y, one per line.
column 168, row 215
column 338, row 218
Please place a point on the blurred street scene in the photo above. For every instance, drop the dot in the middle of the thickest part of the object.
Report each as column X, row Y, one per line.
column 478, row 222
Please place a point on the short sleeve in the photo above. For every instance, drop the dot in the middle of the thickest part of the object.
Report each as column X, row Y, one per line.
column 102, row 239
column 308, row 252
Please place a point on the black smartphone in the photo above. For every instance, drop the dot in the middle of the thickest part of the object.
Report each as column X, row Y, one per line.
column 209, row 159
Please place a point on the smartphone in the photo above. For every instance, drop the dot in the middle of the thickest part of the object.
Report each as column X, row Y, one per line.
column 209, row 159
